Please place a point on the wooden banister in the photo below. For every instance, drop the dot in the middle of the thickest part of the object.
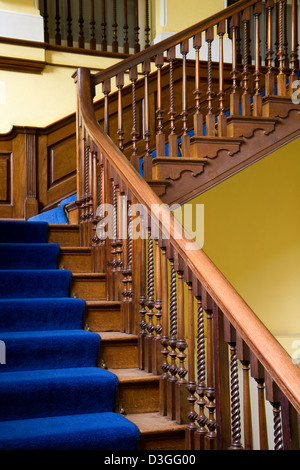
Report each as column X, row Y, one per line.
column 172, row 41
column 267, row 349
column 151, row 309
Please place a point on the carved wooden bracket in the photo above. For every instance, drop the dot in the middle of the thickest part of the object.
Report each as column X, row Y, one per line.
column 210, row 147
column 172, row 168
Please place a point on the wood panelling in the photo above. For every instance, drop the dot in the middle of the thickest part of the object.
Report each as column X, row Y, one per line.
column 5, row 178
column 61, row 160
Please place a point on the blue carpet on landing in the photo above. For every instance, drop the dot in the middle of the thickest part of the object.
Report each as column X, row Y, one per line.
column 52, row 394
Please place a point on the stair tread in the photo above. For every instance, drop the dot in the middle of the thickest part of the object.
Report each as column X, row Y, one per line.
column 80, row 249
column 88, row 275
column 134, row 375
column 101, row 303
column 154, row 423
column 116, row 335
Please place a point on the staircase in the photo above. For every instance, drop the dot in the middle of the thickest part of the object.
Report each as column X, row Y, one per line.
column 118, row 351
column 184, row 346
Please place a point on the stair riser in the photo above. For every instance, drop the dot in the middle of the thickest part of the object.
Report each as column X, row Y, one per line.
column 174, row 441
column 75, row 261
column 117, row 355
column 97, row 319
column 88, row 289
column 64, row 235
column 138, row 397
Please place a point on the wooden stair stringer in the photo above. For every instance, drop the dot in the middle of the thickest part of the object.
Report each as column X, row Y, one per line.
column 258, row 145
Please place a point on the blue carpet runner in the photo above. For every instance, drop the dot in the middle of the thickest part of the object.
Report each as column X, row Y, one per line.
column 52, row 394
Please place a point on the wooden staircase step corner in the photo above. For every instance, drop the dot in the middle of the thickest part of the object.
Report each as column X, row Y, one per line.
column 158, row 432
column 102, row 315
column 138, row 391
column 171, row 168
column 118, row 350
column 64, row 234
column 88, row 286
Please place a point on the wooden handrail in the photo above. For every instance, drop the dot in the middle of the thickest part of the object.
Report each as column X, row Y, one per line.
column 172, row 41
column 261, row 342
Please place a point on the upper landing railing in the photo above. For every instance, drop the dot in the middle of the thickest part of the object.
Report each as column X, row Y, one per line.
column 118, row 26
column 221, row 371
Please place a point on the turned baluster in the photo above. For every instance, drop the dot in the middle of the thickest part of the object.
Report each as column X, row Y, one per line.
column 294, row 45
column 290, row 424
column 201, row 371
column 210, row 117
column 90, row 196
column 147, row 26
column 172, row 338
column 210, row 436
column 246, row 108
column 281, row 77
column 257, row 373
column 147, row 134
column 160, row 136
column 165, row 330
column 115, row 45
column 173, row 141
column 82, row 148
column 95, row 218
column 121, row 206
column 100, row 231
column 81, row 22
column 269, row 77
column 103, row 27
column 234, row 96
column 243, row 355
column 257, row 98
column 150, row 303
column 230, row 338
column 222, row 119
column 57, row 20
column 273, row 396
column 198, row 118
column 125, row 29
column 277, row 34
column 191, row 383
column 157, row 347
column 120, row 132
column 285, row 34
column 185, row 139
column 134, row 133
column 125, row 291
column 69, row 23
column 106, row 88
column 113, row 243
column 142, row 301
column 180, row 386
column 136, row 27
column 46, row 16
column 92, row 23
column 130, row 280
column 86, row 190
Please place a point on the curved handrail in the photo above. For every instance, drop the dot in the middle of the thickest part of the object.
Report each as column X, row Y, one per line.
column 267, row 349
column 174, row 40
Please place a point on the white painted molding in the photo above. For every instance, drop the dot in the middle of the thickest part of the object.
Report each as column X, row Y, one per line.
column 24, row 26
column 163, row 12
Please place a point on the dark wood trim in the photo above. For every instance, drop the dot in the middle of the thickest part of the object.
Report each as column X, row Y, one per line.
column 14, row 64
column 71, row 50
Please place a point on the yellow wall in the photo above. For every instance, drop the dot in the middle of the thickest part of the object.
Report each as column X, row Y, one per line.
column 252, row 233
column 181, row 15
column 24, row 6
column 40, row 99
